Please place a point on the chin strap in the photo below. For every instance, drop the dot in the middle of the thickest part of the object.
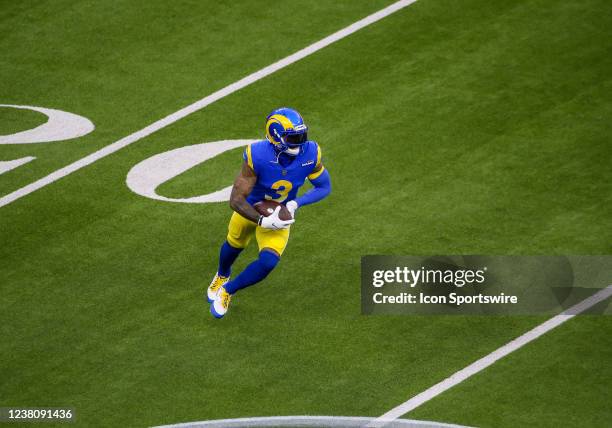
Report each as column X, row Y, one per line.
column 280, row 152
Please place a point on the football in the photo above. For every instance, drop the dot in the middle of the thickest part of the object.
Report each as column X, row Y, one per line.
column 266, row 208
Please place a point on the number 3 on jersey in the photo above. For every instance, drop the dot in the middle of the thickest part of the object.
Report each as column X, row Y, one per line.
column 282, row 187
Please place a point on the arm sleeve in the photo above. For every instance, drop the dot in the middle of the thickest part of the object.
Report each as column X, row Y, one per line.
column 248, row 157
column 322, row 188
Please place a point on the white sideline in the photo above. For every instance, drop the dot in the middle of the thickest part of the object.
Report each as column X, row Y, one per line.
column 486, row 361
column 198, row 105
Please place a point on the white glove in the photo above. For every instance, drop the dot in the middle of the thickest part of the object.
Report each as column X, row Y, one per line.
column 292, row 206
column 274, row 222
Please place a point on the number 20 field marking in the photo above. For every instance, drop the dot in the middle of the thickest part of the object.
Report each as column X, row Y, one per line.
column 200, row 104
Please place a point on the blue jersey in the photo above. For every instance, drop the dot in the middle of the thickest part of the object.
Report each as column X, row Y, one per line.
column 275, row 181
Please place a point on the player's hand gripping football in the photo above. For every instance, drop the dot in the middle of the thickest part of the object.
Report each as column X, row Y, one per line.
column 292, row 206
column 274, row 222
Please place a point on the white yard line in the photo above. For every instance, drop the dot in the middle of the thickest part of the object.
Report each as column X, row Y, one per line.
column 488, row 360
column 198, row 105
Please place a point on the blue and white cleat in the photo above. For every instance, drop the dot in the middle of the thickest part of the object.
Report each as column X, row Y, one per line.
column 221, row 303
column 214, row 286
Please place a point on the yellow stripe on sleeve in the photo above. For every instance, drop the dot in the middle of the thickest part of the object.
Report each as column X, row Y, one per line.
column 249, row 157
column 318, row 156
column 316, row 174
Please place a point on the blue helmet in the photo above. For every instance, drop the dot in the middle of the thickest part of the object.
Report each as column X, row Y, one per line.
column 286, row 129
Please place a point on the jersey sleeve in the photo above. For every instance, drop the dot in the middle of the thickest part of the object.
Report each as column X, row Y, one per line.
column 247, row 155
column 317, row 164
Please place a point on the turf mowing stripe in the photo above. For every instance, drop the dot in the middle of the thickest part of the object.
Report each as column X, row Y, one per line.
column 488, row 360
column 198, row 105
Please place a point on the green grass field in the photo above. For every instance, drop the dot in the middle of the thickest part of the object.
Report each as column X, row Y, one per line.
column 470, row 127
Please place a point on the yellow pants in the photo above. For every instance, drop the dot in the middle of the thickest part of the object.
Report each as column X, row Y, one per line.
column 241, row 230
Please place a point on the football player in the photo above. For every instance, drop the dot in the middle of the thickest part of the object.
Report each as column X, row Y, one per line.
column 273, row 169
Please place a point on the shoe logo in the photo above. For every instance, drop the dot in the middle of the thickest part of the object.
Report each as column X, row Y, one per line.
column 310, row 162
